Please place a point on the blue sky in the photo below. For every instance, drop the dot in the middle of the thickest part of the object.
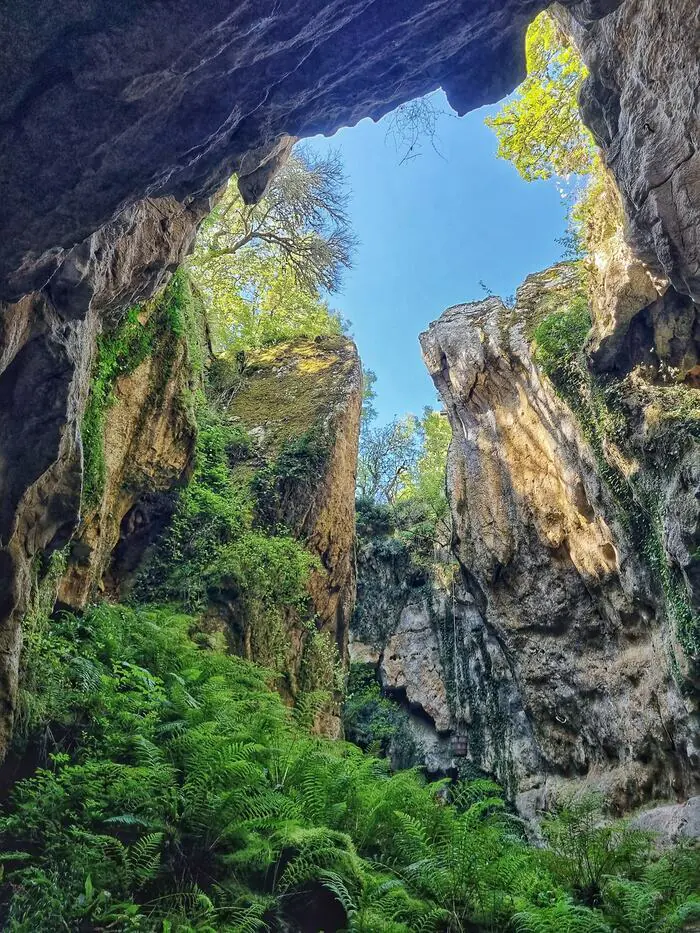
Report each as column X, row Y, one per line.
column 430, row 229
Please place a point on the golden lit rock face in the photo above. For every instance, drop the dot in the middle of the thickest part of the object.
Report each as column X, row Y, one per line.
column 540, row 479
column 557, row 581
column 306, row 395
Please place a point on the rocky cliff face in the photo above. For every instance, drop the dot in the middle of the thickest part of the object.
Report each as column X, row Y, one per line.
column 576, row 590
column 458, row 710
column 300, row 402
column 145, row 443
column 47, row 346
column 642, row 105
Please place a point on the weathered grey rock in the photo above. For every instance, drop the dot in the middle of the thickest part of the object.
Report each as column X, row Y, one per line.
column 557, row 583
column 436, row 657
column 105, row 104
column 672, row 823
column 641, row 103
column 411, row 664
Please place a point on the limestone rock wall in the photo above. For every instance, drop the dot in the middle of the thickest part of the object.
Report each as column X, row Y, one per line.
column 300, row 401
column 149, row 436
column 47, row 345
column 557, row 579
column 120, row 121
column 641, row 102
column 422, row 631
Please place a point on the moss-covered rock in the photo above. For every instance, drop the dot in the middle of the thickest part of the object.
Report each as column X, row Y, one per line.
column 300, row 404
column 138, row 437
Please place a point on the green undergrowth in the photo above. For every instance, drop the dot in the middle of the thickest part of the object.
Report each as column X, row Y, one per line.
column 600, row 410
column 374, row 722
column 217, row 549
column 282, row 485
column 153, row 329
column 177, row 793
column 231, row 550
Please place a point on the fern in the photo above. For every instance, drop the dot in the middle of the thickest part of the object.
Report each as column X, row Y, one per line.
column 191, row 799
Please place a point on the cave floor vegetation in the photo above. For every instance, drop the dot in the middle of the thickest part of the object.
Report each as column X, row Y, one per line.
column 177, row 792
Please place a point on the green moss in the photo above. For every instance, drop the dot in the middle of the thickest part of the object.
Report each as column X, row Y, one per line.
column 290, row 390
column 212, row 546
column 153, row 329
column 282, row 484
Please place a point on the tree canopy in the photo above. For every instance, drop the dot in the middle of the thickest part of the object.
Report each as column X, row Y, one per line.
column 539, row 130
column 388, row 453
column 264, row 268
column 425, row 482
column 402, row 467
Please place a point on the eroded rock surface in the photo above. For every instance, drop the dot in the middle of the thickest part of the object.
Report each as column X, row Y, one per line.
column 556, row 579
column 149, row 437
column 47, row 345
column 672, row 823
column 642, row 104
column 459, row 710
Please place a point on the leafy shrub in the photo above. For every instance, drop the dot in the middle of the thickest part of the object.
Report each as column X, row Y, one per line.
column 560, row 336
column 373, row 519
column 369, row 718
column 212, row 544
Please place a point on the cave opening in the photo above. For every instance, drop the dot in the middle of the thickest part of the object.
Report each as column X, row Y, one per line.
column 379, row 456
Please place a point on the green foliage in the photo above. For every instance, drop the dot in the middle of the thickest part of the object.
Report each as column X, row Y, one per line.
column 263, row 268
column 401, row 484
column 423, row 492
column 39, row 663
column 560, row 336
column 370, row 719
column 582, row 851
column 180, row 794
column 540, row 129
column 212, row 543
column 143, row 332
column 387, row 454
column 541, row 132
column 369, row 395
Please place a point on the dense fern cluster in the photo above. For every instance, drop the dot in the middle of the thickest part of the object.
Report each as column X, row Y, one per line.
column 177, row 793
